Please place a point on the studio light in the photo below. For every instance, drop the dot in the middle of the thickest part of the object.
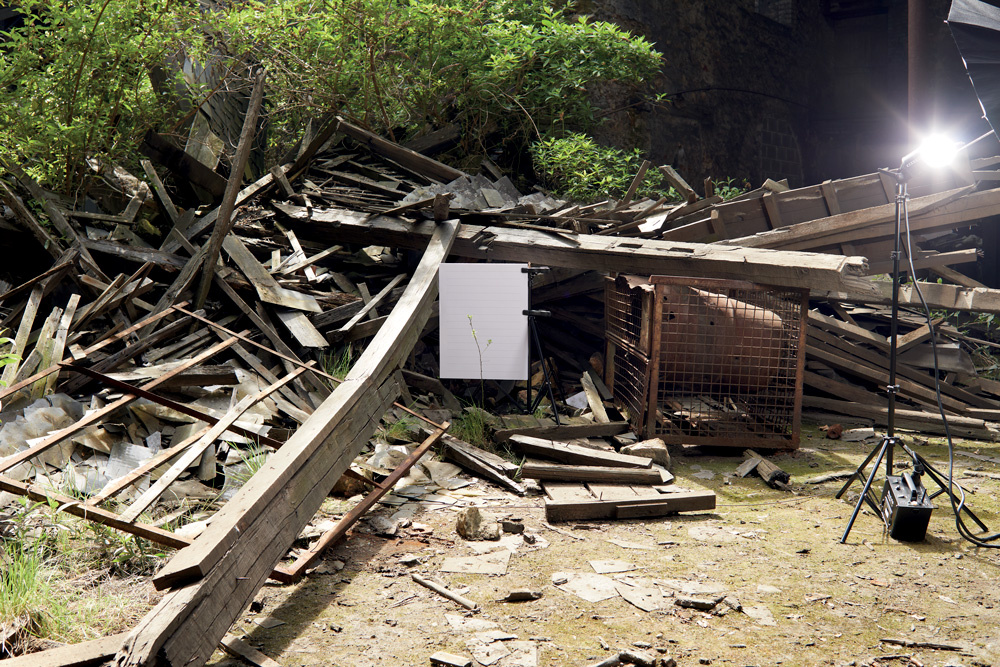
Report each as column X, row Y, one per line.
column 938, row 151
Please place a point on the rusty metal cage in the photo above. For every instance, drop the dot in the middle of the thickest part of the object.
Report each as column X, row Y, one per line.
column 707, row 361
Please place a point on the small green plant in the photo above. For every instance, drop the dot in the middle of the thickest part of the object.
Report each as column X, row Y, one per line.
column 577, row 167
column 252, row 459
column 26, row 604
column 472, row 427
column 480, row 349
column 729, row 188
column 338, row 363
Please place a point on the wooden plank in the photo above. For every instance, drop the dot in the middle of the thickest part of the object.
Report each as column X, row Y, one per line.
column 116, row 486
column 222, row 571
column 128, row 352
column 23, row 332
column 370, row 306
column 309, row 261
column 97, row 515
column 565, row 431
column 23, row 215
column 421, row 164
column 279, row 176
column 830, row 197
column 11, row 389
column 943, row 210
column 237, row 647
column 956, row 277
column 594, row 400
column 295, row 407
column 224, row 222
column 299, row 325
column 915, row 337
column 332, row 536
column 668, row 503
column 470, row 458
column 59, row 268
column 158, row 148
column 267, row 287
column 916, row 420
column 160, row 191
column 533, row 469
column 608, row 253
column 56, row 217
column 679, row 183
column 847, row 329
column 907, row 388
column 576, row 455
column 773, row 214
column 928, row 261
column 85, row 654
column 59, row 342
column 646, row 164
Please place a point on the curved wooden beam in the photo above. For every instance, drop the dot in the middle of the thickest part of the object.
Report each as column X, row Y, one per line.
column 215, row 578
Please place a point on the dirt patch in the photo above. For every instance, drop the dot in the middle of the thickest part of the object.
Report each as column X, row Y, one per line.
column 806, row 599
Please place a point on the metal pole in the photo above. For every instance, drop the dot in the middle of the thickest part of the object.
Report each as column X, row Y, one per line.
column 892, row 388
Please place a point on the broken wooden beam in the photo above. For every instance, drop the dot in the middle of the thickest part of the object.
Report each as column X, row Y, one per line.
column 607, row 253
column 222, row 571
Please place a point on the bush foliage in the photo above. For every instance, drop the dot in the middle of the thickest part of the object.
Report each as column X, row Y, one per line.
column 88, row 78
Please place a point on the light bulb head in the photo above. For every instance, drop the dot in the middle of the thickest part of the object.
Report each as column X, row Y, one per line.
column 938, row 151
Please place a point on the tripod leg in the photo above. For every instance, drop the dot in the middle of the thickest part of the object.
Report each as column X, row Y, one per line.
column 857, row 473
column 886, row 445
column 545, row 370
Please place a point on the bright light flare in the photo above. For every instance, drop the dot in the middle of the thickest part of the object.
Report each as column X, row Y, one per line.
column 938, row 151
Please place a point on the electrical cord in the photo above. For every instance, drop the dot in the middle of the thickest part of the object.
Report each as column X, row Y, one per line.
column 956, row 507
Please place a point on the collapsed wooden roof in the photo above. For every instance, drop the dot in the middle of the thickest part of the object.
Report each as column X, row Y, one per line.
column 347, row 188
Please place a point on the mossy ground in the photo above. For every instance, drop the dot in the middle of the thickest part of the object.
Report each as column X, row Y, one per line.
column 834, row 602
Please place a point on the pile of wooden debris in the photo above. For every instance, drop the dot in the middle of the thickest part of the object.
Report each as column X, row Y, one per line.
column 145, row 377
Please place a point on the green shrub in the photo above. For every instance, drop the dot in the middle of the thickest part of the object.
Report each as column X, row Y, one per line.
column 577, row 167
column 78, row 77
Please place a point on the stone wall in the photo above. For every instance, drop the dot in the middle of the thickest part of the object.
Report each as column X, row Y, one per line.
column 798, row 89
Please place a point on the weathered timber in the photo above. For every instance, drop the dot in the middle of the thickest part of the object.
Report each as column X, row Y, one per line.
column 90, row 513
column 480, row 462
column 194, row 452
column 564, row 431
column 180, row 163
column 945, row 208
column 95, row 416
column 330, row 537
column 913, row 420
column 592, row 508
column 589, row 473
column 937, row 295
column 409, row 159
column 224, row 223
column 576, row 455
column 606, row 253
column 85, row 654
column 222, row 571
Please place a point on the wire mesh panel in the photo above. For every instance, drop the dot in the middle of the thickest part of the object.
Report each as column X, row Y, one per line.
column 727, row 362
column 629, row 378
column 628, row 311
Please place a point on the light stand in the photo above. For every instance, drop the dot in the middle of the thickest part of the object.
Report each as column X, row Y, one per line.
column 905, row 505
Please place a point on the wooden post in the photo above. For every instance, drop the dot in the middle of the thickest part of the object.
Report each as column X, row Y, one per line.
column 224, row 222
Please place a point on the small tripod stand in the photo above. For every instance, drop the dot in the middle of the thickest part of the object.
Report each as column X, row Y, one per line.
column 535, row 341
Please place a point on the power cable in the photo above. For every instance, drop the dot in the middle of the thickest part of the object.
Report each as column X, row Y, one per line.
column 956, row 507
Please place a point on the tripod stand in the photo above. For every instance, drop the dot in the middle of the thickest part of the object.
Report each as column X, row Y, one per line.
column 529, row 406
